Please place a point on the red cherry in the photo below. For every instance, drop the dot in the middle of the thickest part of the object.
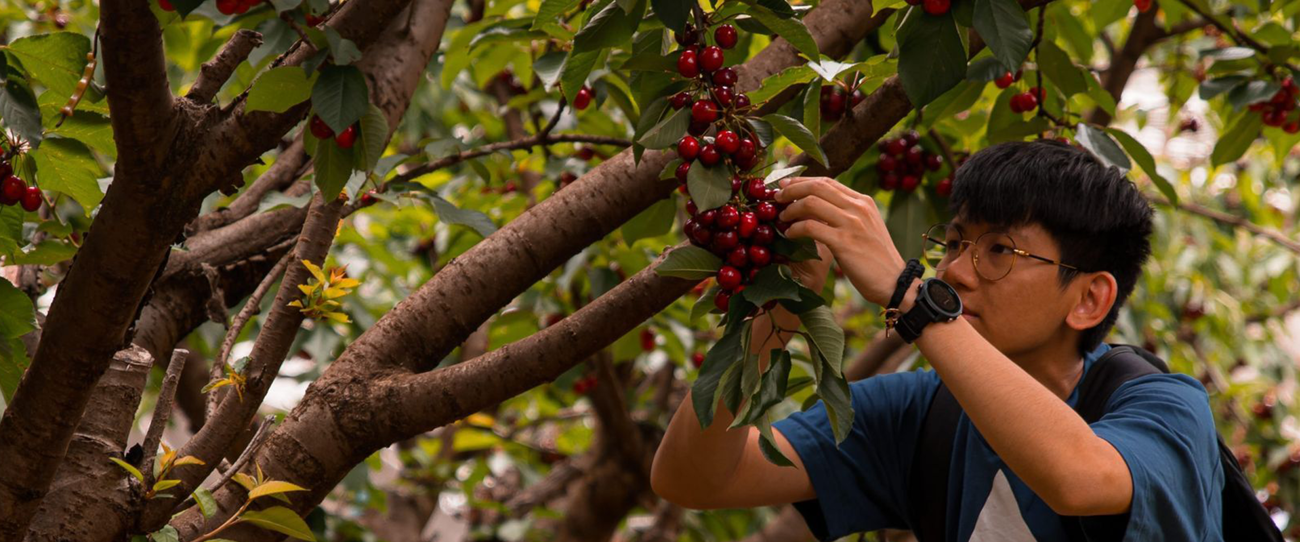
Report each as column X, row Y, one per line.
column 228, row 7
column 709, row 155
column 697, row 359
column 704, row 111
column 944, row 188
column 910, row 182
column 647, row 340
column 725, row 240
column 736, row 183
column 313, row 20
column 746, row 163
column 914, row 2
column 897, row 147
column 690, row 208
column 722, row 299
column 763, row 235
column 1029, row 102
column 586, row 153
column 933, row 162
column 583, row 99
column 766, row 211
column 706, row 218
column 243, row 6
column 742, row 102
column 738, row 257
column 698, row 232
column 711, row 58
column 688, row 148
column 1142, row 5
column 753, row 272
column 688, row 35
column 728, row 216
column 697, row 129
column 832, row 105
column 725, row 77
column 166, row 5
column 746, row 150
column 13, row 189
column 755, row 190
column 1016, row 104
column 687, row 65
column 856, row 98
column 748, row 223
column 1292, row 127
column 759, row 256
column 911, row 138
column 723, row 95
column 347, row 138
column 888, row 181
column 681, row 99
column 683, row 170
column 32, row 199
column 319, row 128
column 914, row 155
column 727, row 141
column 728, row 277
column 725, row 36
column 1004, row 80
column 937, row 7
column 1275, row 118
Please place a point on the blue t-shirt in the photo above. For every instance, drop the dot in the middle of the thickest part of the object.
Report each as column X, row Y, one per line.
column 1161, row 424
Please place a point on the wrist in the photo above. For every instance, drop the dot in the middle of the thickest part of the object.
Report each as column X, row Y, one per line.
column 909, row 299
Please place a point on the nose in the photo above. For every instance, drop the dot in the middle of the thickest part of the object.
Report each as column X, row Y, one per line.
column 961, row 274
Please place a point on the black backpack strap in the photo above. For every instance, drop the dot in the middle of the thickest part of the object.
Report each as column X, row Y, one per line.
column 1117, row 366
column 931, row 460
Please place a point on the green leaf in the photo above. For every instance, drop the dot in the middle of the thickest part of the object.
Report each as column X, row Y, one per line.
column 812, row 116
column 771, row 284
column 1099, row 95
column 333, row 167
column 1103, row 146
column 908, row 218
column 374, row 137
column 548, row 66
column 777, row 174
column 985, row 69
column 13, row 363
column 767, row 444
column 834, row 392
column 274, row 487
column 66, row 166
column 763, row 130
column 93, row 129
column 457, row 57
column 207, row 504
column 17, row 315
column 710, row 187
column 689, row 262
column 726, row 352
column 577, row 66
column 129, row 468
column 799, row 135
column 1234, row 142
column 47, row 252
column 56, row 60
column 790, row 28
column 826, row 335
column 931, row 57
column 704, row 304
column 19, row 110
column 1217, row 86
column 340, row 96
column 797, row 250
column 1005, row 30
column 281, row 520
column 774, row 84
column 163, row 485
column 668, row 132
column 550, row 10
column 342, row 49
column 773, row 389
column 165, row 534
column 656, row 220
column 673, row 13
column 1058, row 67
column 1143, row 157
column 449, row 213
column 1252, row 92
column 610, row 27
column 279, row 89
column 808, row 300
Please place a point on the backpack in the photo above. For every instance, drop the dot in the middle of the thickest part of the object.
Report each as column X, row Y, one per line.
column 1244, row 518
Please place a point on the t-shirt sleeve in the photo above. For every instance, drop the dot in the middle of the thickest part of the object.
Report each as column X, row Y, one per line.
column 1162, row 426
column 861, row 484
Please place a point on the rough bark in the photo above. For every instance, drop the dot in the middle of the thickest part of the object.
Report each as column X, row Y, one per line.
column 75, row 507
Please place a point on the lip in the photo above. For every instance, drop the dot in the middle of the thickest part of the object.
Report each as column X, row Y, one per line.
column 970, row 314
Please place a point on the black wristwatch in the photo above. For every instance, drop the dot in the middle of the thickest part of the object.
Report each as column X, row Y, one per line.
column 936, row 301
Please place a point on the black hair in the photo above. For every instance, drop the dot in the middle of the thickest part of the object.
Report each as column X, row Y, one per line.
column 1097, row 216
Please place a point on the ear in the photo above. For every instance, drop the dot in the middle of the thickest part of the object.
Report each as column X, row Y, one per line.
column 1096, row 294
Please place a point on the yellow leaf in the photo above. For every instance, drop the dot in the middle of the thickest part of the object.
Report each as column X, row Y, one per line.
column 215, row 385
column 273, row 487
column 480, row 419
column 338, row 317
column 165, row 484
column 167, row 457
column 129, row 468
column 295, row 304
column 308, row 289
column 347, row 283
column 315, row 271
column 334, row 293
column 188, row 460
column 245, row 480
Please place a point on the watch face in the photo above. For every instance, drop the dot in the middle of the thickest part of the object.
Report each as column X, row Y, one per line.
column 943, row 296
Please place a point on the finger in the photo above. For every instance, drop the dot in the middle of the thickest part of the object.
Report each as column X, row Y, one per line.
column 822, row 233
column 821, row 187
column 816, row 208
column 843, row 188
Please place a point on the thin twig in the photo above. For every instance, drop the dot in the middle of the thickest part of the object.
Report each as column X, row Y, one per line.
column 1270, row 234
column 251, row 308
column 944, row 149
column 161, row 412
column 267, row 423
column 1237, row 35
column 1041, row 94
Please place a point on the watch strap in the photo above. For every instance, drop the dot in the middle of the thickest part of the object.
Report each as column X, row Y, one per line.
column 911, row 324
column 911, row 271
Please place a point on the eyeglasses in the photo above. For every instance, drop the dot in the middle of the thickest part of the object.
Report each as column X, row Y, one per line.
column 994, row 256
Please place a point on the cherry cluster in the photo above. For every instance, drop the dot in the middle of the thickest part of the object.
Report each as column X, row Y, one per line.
column 13, row 191
column 1142, row 5
column 1277, row 110
column 1026, row 101
column 741, row 233
column 933, row 7
column 835, row 99
column 903, row 163
column 345, row 139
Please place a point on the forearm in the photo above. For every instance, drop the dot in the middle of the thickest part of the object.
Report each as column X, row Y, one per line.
column 1038, row 435
column 690, row 461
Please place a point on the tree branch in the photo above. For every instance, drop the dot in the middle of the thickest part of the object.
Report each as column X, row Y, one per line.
column 214, row 73
column 542, row 138
column 161, row 413
column 289, row 166
column 1232, row 220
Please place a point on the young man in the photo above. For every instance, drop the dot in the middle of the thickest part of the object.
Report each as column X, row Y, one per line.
column 1045, row 246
